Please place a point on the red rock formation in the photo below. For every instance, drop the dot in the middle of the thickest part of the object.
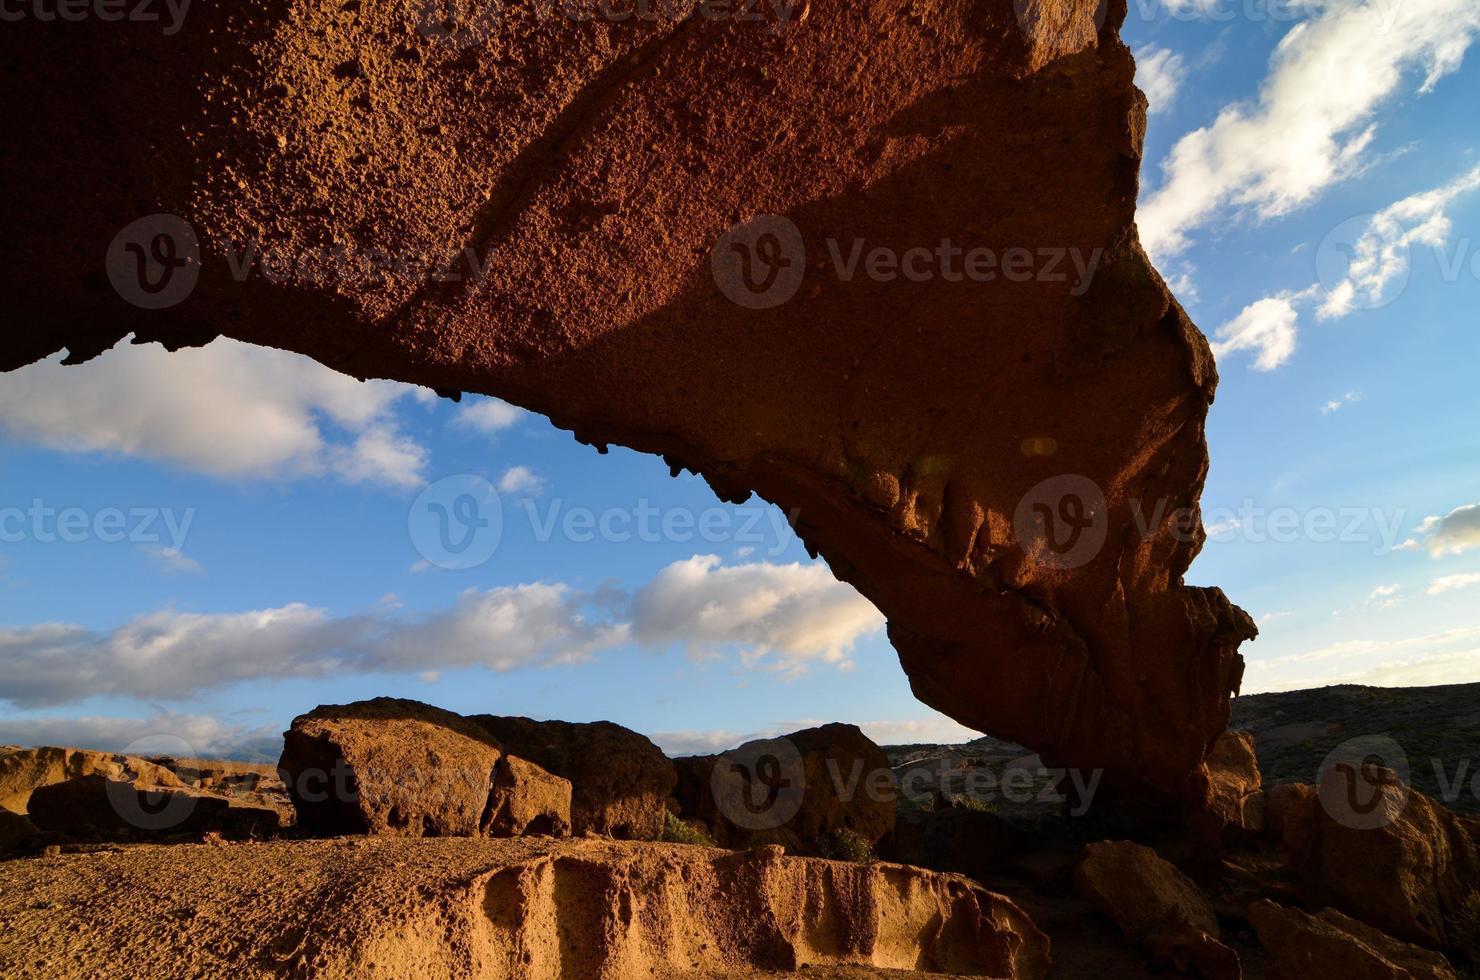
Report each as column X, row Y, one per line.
column 1008, row 467
column 1330, row 944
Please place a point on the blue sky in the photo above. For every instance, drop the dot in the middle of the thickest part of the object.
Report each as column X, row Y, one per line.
column 1310, row 188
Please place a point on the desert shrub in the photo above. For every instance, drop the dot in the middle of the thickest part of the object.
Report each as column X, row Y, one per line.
column 847, row 845
column 973, row 803
column 676, row 831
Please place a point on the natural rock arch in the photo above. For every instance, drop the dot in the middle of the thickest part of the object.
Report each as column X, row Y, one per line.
column 924, row 430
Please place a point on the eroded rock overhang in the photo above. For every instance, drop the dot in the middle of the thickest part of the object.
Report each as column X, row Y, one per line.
column 1006, row 458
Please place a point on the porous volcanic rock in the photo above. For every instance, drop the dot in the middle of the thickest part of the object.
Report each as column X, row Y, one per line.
column 620, row 781
column 531, row 908
column 99, row 808
column 388, row 766
column 23, row 771
column 1007, row 465
column 525, row 799
column 1156, row 906
column 1329, row 944
column 1386, row 854
column 816, row 783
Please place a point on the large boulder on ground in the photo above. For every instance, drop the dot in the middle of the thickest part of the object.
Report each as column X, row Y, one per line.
column 620, row 781
column 96, row 807
column 1329, row 944
column 952, row 838
column 1157, row 907
column 1235, row 802
column 526, row 800
column 800, row 790
column 388, row 766
column 666, row 214
column 14, row 829
column 1384, row 853
column 23, row 771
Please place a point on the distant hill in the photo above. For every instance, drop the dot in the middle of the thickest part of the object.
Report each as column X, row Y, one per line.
column 1437, row 728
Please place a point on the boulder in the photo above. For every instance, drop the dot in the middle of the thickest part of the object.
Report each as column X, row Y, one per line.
column 620, row 781
column 952, row 838
column 1235, row 803
column 798, row 790
column 636, row 243
column 15, row 829
column 1329, row 944
column 1156, row 906
column 99, row 808
column 526, row 800
column 388, row 766
column 23, row 771
column 1386, row 854
column 1290, row 816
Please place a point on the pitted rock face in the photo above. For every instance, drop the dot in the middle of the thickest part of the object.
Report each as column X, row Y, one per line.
column 993, row 427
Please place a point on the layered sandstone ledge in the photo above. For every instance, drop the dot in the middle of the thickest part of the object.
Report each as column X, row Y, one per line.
column 529, row 908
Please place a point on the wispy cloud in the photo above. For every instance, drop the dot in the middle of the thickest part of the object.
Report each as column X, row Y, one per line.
column 1453, row 534
column 1160, row 73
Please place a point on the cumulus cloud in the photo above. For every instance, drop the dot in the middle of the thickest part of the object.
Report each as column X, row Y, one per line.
column 1160, row 73
column 487, row 415
column 1266, row 327
column 1312, row 121
column 521, row 480
column 227, row 409
column 182, row 735
column 1453, row 534
column 781, row 617
column 1380, row 255
column 1453, row 583
column 775, row 617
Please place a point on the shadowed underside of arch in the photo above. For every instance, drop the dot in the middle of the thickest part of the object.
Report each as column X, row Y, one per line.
column 1005, row 456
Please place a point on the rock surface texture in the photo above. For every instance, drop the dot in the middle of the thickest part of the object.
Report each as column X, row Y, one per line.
column 385, row 907
column 98, row 808
column 620, row 781
column 388, row 766
column 23, row 771
column 1330, row 944
column 1008, row 466
column 1157, row 907
column 525, row 799
column 827, row 780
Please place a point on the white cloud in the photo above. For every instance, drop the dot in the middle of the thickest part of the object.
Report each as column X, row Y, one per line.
column 1453, row 583
column 488, row 415
column 1337, row 404
column 1267, row 327
column 1312, row 121
column 1453, row 534
column 521, row 480
column 1385, row 596
column 1450, row 657
column 777, row 617
column 173, row 561
column 1160, row 73
column 228, row 409
column 183, row 735
column 1380, row 254
column 781, row 617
